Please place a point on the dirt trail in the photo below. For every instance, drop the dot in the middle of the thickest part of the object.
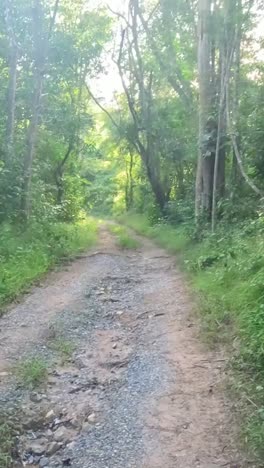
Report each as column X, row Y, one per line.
column 139, row 390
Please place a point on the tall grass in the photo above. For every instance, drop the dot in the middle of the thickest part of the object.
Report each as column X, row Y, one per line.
column 124, row 239
column 27, row 253
column 164, row 235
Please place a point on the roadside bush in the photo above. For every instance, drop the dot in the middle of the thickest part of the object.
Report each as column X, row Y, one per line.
column 26, row 253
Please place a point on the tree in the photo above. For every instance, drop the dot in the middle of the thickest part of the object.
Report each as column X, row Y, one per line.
column 41, row 44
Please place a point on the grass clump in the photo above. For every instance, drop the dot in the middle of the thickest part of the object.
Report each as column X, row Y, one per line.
column 32, row 372
column 124, row 239
column 6, row 444
column 63, row 347
column 175, row 241
column 26, row 253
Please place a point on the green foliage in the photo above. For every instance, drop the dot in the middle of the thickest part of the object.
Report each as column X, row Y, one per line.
column 60, row 156
column 124, row 239
column 165, row 235
column 32, row 372
column 63, row 347
column 27, row 253
column 6, row 444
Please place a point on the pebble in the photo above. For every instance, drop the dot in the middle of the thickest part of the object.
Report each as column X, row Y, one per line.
column 92, row 418
column 53, row 448
column 50, row 416
column 38, row 446
column 35, row 397
column 43, row 462
column 62, row 435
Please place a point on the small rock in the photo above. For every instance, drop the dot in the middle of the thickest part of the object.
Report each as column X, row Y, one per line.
column 29, row 460
column 4, row 374
column 33, row 421
column 92, row 418
column 66, row 462
column 50, row 416
column 119, row 312
column 43, row 462
column 35, row 397
column 114, row 346
column 53, row 448
column 71, row 445
column 86, row 425
column 49, row 433
column 62, row 435
column 79, row 361
column 38, row 447
column 56, row 422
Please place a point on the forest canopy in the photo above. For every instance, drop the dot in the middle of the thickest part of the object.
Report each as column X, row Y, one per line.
column 176, row 132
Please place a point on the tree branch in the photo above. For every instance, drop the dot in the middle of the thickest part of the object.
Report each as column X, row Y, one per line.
column 176, row 83
column 53, row 18
column 236, row 150
column 97, row 102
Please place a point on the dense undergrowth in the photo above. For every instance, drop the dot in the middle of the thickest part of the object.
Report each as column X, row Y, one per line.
column 227, row 270
column 27, row 253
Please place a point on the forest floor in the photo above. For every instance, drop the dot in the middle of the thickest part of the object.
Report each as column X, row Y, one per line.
column 101, row 366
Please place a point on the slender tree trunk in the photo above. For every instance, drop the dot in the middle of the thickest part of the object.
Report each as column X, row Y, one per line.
column 41, row 48
column 129, row 181
column 180, row 180
column 218, row 177
column 156, row 184
column 60, row 171
column 11, row 104
column 235, row 172
column 141, row 112
column 205, row 166
column 31, row 147
column 12, row 84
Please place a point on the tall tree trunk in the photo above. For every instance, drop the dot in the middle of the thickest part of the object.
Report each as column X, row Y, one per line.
column 205, row 166
column 39, row 64
column 235, row 172
column 141, row 111
column 60, row 171
column 158, row 189
column 41, row 48
column 31, row 146
column 219, row 163
column 129, row 189
column 12, row 84
column 11, row 104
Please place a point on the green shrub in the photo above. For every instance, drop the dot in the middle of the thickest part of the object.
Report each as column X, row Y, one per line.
column 63, row 347
column 32, row 372
column 6, row 444
column 27, row 253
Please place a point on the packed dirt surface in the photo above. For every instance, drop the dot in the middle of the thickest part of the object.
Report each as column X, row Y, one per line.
column 129, row 384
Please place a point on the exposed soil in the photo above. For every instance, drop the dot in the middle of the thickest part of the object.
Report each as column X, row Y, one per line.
column 139, row 389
